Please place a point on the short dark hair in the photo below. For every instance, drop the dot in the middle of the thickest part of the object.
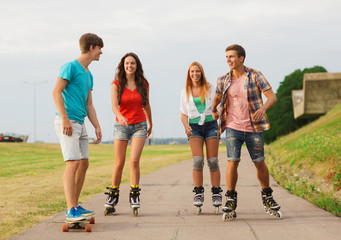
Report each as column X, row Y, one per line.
column 89, row 39
column 240, row 50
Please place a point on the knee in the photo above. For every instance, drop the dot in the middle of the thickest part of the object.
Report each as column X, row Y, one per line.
column 198, row 163
column 84, row 164
column 213, row 164
column 134, row 162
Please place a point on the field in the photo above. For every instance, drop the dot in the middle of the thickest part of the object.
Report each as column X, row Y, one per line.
column 31, row 178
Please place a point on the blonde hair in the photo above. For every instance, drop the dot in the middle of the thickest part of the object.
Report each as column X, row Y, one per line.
column 205, row 86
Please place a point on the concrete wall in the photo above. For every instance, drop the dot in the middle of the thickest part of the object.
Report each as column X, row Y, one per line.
column 321, row 92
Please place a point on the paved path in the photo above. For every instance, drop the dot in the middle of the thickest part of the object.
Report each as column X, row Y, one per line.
column 167, row 212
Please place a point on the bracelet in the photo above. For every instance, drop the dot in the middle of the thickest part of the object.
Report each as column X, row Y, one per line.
column 215, row 110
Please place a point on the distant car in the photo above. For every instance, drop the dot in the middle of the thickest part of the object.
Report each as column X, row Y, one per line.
column 10, row 137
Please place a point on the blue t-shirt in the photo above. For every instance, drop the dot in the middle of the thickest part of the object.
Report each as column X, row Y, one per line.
column 76, row 91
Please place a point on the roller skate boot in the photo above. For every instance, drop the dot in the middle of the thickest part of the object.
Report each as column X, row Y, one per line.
column 216, row 198
column 230, row 206
column 270, row 205
column 134, row 198
column 112, row 200
column 198, row 198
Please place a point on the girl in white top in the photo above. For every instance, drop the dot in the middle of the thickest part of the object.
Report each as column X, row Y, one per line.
column 200, row 127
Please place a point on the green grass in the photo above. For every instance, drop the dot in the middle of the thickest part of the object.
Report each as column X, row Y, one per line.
column 31, row 178
column 308, row 162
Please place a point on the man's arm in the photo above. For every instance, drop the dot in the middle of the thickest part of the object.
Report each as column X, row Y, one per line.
column 58, row 99
column 93, row 117
column 216, row 102
column 271, row 100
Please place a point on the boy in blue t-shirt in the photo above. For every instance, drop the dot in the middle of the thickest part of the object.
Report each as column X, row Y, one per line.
column 73, row 99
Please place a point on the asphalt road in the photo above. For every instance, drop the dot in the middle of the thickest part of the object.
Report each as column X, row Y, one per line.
column 167, row 212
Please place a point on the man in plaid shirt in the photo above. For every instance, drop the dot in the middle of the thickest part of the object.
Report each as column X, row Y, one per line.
column 243, row 115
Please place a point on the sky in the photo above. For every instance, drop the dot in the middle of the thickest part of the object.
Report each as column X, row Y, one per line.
column 38, row 37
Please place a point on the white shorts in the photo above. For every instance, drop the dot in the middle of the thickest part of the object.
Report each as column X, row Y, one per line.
column 75, row 147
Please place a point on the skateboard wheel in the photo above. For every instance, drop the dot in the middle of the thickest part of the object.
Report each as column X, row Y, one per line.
column 88, row 227
column 92, row 220
column 65, row 227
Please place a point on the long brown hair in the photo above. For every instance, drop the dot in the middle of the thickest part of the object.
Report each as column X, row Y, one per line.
column 205, row 86
column 140, row 80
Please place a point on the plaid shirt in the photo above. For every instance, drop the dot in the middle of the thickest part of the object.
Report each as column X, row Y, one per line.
column 254, row 84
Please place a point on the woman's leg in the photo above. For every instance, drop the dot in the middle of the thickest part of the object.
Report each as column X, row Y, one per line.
column 120, row 147
column 197, row 144
column 212, row 146
column 136, row 147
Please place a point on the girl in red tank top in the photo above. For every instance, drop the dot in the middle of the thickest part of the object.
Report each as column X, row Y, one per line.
column 130, row 104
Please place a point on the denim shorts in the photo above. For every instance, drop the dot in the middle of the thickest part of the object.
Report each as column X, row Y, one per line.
column 76, row 146
column 206, row 131
column 253, row 140
column 130, row 131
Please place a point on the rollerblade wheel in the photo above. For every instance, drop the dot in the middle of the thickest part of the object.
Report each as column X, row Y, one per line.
column 217, row 210
column 65, row 227
column 88, row 228
column 109, row 211
column 278, row 215
column 225, row 217
column 136, row 212
column 92, row 220
column 198, row 210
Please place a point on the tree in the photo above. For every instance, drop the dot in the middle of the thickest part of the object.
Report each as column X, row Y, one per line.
column 281, row 116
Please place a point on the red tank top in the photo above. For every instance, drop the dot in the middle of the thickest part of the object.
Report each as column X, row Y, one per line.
column 131, row 105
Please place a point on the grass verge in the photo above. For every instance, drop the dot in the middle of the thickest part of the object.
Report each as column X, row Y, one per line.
column 31, row 178
column 308, row 162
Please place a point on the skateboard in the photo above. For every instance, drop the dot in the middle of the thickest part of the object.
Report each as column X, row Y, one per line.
column 78, row 225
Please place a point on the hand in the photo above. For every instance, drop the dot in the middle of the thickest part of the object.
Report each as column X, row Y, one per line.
column 215, row 115
column 122, row 121
column 259, row 114
column 98, row 132
column 188, row 130
column 149, row 130
column 67, row 127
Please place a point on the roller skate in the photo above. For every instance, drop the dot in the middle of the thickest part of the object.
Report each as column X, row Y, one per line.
column 270, row 205
column 216, row 198
column 134, row 198
column 230, row 206
column 198, row 198
column 112, row 200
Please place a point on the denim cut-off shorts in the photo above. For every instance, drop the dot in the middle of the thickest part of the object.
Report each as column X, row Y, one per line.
column 206, row 131
column 130, row 131
column 253, row 140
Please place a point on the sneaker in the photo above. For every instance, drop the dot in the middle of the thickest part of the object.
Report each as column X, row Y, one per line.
column 85, row 212
column 74, row 215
